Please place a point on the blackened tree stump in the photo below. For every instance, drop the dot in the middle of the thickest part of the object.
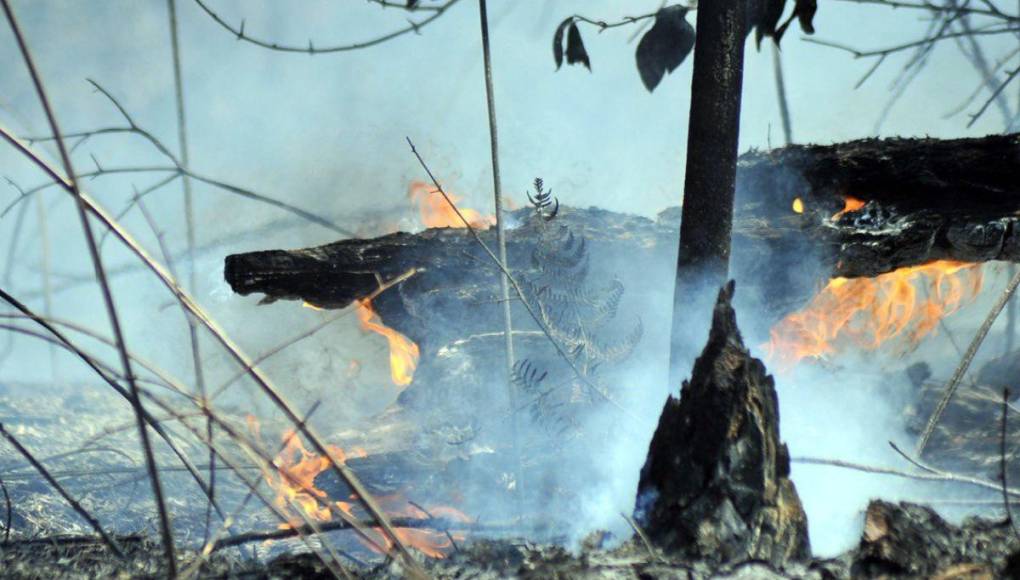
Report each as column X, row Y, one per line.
column 716, row 485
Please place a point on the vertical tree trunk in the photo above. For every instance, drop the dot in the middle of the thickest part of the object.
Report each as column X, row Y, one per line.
column 707, row 218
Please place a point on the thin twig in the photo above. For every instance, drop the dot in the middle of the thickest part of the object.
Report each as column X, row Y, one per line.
column 111, row 309
column 784, row 108
column 936, row 476
column 179, row 166
column 107, row 539
column 383, row 286
column 449, row 536
column 261, row 380
column 278, row 511
column 189, row 220
column 240, row 34
column 1009, row 78
column 211, row 541
column 8, row 512
column 1003, row 463
column 106, row 376
column 641, row 534
column 504, row 285
column 968, row 358
column 438, row 524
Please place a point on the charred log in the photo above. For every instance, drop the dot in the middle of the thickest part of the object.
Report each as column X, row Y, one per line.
column 716, row 481
column 924, row 200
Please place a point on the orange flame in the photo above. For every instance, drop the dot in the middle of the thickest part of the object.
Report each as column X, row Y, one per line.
column 294, row 481
column 294, row 484
column 403, row 352
column 867, row 312
column 850, row 204
column 436, row 213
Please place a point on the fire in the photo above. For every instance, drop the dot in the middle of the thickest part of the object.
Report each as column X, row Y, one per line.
column 294, row 481
column 436, row 213
column 294, row 484
column 868, row 312
column 850, row 204
column 403, row 352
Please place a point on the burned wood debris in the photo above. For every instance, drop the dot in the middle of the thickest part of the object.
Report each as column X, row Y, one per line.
column 716, row 483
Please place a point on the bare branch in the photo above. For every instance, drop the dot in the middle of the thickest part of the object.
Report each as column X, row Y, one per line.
column 310, row 48
column 111, row 309
column 85, row 515
column 968, row 357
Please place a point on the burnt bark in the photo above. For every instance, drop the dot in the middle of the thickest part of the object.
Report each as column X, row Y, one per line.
column 716, row 484
column 910, row 540
column 710, row 176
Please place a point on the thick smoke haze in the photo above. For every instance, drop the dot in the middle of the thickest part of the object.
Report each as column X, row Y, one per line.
column 327, row 133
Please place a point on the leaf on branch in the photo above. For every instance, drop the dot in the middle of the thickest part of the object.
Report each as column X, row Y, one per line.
column 558, row 41
column 575, row 48
column 763, row 16
column 665, row 46
column 804, row 11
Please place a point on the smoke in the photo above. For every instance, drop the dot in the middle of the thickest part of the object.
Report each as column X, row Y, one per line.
column 326, row 133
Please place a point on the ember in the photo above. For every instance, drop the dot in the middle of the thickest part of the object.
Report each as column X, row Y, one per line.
column 868, row 312
column 436, row 213
column 851, row 204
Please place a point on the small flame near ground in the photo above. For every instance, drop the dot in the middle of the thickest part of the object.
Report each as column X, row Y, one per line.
column 404, row 352
column 294, row 485
column 436, row 213
column 902, row 306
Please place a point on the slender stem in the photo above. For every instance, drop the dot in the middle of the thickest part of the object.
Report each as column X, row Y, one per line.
column 108, row 377
column 923, row 476
column 111, row 309
column 240, row 34
column 63, row 492
column 1003, row 463
column 189, row 219
column 44, row 267
column 210, row 542
column 968, row 357
column 504, row 284
column 8, row 513
column 784, row 109
column 1011, row 316
column 261, row 380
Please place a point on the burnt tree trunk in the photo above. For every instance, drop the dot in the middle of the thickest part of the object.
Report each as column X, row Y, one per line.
column 716, row 481
column 710, row 180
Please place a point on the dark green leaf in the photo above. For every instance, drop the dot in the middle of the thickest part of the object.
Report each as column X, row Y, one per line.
column 804, row 11
column 665, row 46
column 575, row 48
column 763, row 17
column 558, row 41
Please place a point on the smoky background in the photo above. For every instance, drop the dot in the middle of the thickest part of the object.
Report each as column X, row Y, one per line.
column 326, row 133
